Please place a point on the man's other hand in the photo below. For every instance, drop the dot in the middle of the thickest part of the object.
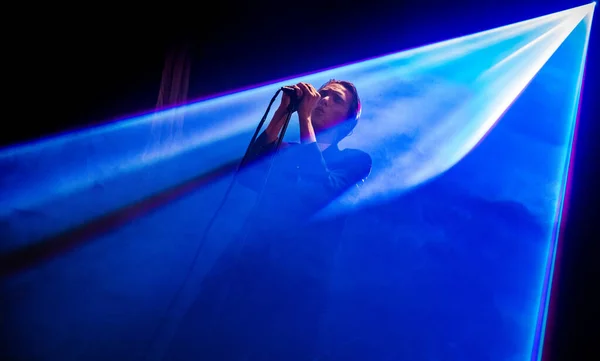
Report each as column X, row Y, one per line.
column 310, row 99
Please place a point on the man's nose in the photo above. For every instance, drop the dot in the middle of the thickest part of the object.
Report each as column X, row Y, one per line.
column 325, row 100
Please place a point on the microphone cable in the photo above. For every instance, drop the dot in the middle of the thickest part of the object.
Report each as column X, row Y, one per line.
column 291, row 108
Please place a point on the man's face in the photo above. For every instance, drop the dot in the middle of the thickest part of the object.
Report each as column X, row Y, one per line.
column 333, row 106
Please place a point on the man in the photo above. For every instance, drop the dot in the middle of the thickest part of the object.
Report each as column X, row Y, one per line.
column 307, row 176
column 265, row 297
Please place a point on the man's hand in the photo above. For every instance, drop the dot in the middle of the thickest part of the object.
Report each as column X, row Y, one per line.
column 278, row 119
column 285, row 100
column 310, row 99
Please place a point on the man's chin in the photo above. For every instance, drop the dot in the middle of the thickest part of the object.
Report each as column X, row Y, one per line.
column 317, row 125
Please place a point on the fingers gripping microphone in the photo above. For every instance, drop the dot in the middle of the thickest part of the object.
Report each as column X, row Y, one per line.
column 294, row 99
column 289, row 91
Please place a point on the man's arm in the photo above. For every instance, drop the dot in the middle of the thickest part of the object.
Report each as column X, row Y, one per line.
column 253, row 175
column 255, row 170
column 275, row 125
column 265, row 142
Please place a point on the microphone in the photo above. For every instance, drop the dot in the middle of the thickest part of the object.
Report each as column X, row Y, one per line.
column 294, row 99
column 289, row 91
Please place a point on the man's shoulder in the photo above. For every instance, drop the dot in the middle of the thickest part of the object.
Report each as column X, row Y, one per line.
column 357, row 156
column 359, row 161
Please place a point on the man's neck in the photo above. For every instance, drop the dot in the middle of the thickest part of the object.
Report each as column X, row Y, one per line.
column 325, row 140
column 323, row 146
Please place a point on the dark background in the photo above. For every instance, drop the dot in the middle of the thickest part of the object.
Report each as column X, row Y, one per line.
column 71, row 68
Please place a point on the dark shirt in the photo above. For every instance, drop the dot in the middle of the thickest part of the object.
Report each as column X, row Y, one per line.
column 302, row 180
